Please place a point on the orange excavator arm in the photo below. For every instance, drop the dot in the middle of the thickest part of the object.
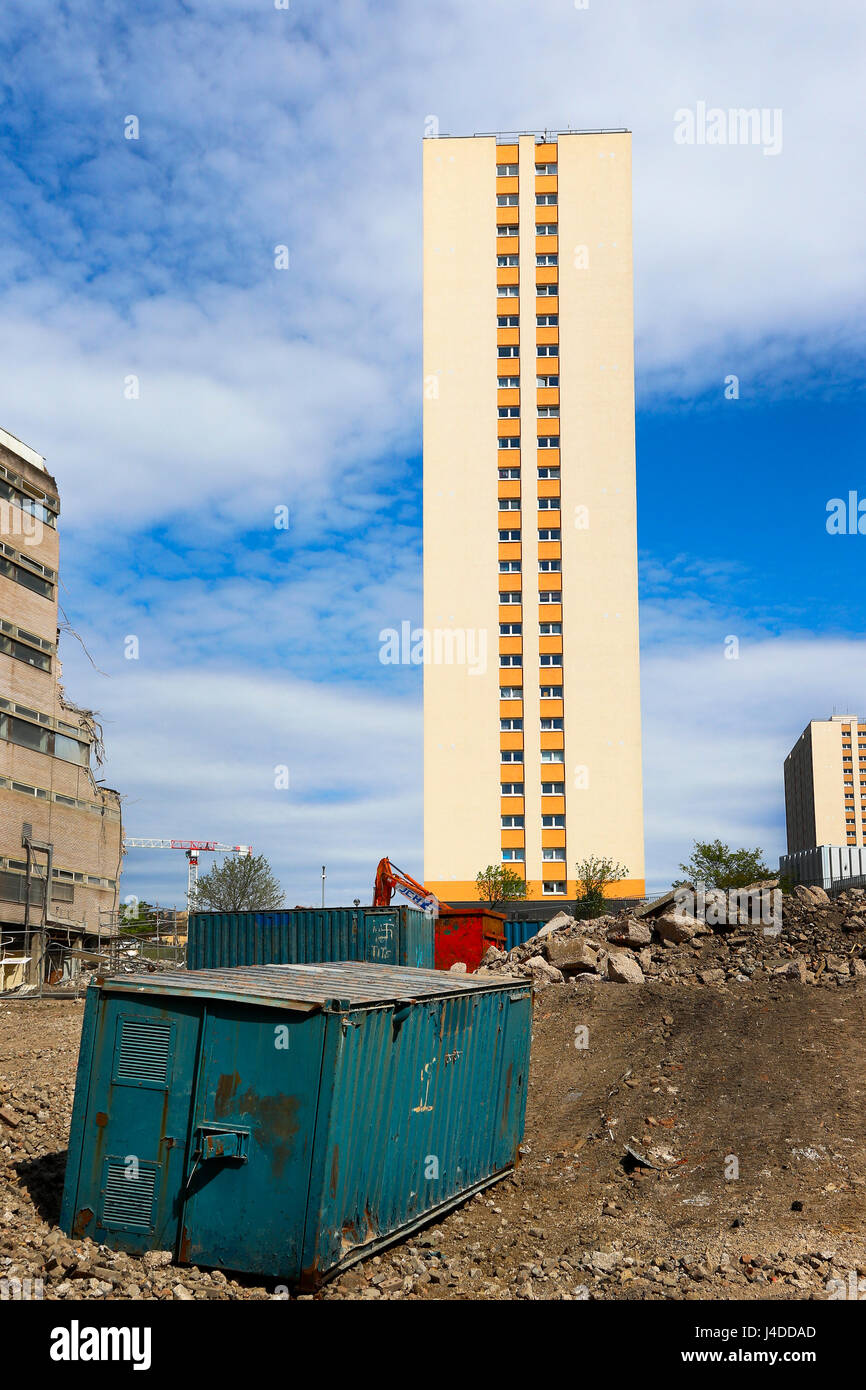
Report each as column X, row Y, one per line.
column 390, row 879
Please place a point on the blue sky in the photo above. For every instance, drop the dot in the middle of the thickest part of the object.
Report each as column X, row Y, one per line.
column 261, row 389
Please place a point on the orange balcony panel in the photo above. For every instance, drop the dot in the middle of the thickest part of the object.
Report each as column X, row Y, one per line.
column 509, row 337
column 507, row 245
column 509, row 487
column 509, row 550
column 510, row 613
column 507, row 154
column 546, row 153
column 510, row 646
column 547, row 304
column 546, row 245
column 549, row 644
column 510, row 709
column 546, row 275
column 548, row 487
column 546, row 214
column 547, row 366
column 551, row 709
column 556, row 872
column 550, row 550
column 508, row 458
column 507, row 429
column 549, row 519
column 547, row 458
column 509, row 217
column 508, row 275
column 552, row 738
column 543, row 335
column 550, row 612
column 509, row 396
column 506, row 184
column 550, row 583
column 544, row 183
column 512, row 739
column 512, row 839
column 550, row 838
column 548, row 395
column 510, row 805
column 552, row 805
column 509, row 583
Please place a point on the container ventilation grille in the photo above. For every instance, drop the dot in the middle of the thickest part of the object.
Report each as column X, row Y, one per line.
column 145, row 1049
column 128, row 1200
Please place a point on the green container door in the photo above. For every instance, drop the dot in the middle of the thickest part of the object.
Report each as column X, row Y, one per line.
column 254, row 1116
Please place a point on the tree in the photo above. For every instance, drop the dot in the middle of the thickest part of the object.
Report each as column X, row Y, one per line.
column 717, row 866
column 241, row 883
column 592, row 875
column 498, row 885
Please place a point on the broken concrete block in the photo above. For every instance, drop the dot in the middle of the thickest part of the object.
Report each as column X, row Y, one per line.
column 572, row 956
column 624, row 969
column 676, row 927
column 632, row 934
column 543, row 971
column 560, row 922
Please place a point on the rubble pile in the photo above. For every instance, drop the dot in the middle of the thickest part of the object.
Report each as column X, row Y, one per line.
column 816, row 940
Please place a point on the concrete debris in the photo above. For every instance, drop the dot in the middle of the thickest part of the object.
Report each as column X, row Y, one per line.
column 816, row 941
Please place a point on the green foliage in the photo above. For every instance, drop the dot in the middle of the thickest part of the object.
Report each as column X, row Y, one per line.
column 497, row 885
column 592, row 875
column 241, row 883
column 718, row 866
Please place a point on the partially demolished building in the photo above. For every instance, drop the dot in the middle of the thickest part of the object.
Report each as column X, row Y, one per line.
column 60, row 830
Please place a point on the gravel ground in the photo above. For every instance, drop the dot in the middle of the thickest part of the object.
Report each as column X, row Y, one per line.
column 742, row 1105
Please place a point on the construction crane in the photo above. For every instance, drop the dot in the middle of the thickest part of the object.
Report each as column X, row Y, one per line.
column 192, row 849
column 390, row 879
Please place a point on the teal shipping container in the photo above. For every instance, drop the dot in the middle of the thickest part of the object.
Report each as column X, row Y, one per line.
column 308, row 935
column 289, row 1120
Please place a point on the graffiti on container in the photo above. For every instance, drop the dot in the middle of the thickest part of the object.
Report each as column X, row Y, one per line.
column 425, row 1087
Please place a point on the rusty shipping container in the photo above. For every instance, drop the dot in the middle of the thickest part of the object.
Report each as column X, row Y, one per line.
column 289, row 1120
column 307, row 935
column 465, row 933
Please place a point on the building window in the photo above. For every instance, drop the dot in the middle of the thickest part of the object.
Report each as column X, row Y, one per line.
column 512, row 822
column 550, row 692
column 547, row 320
column 549, row 566
column 546, row 229
column 513, row 535
column 547, row 258
column 548, row 504
column 545, row 382
column 511, row 755
column 552, row 755
column 508, row 383
column 509, row 566
column 548, row 412
column 509, row 412
column 510, row 229
column 513, row 856
column 547, row 349
column 510, row 596
column 553, row 822
column 545, row 170
column 553, row 887
column 508, row 350
column 509, row 504
column 508, row 320
column 546, row 291
column 548, row 441
column 549, row 533
column 545, row 472
column 551, row 725
column 544, row 200
column 510, row 659
column 508, row 291
column 506, row 171
column 509, row 441
column 509, row 260
column 550, row 629
column 25, row 653
column 509, row 473
column 552, row 788
column 510, row 692
column 511, row 788
column 506, row 200
column 553, row 854
column 551, row 659
column 510, row 726
column 25, row 578
column 510, row 629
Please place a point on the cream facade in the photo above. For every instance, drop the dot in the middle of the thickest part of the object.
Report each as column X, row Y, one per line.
column 825, row 784
column 532, row 759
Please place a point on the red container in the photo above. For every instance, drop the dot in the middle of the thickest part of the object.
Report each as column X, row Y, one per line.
column 465, row 933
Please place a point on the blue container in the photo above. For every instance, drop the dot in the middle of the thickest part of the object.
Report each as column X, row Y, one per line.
column 306, row 935
column 518, row 930
column 289, row 1120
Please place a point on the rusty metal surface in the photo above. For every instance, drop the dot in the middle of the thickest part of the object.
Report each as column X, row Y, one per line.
column 308, row 986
